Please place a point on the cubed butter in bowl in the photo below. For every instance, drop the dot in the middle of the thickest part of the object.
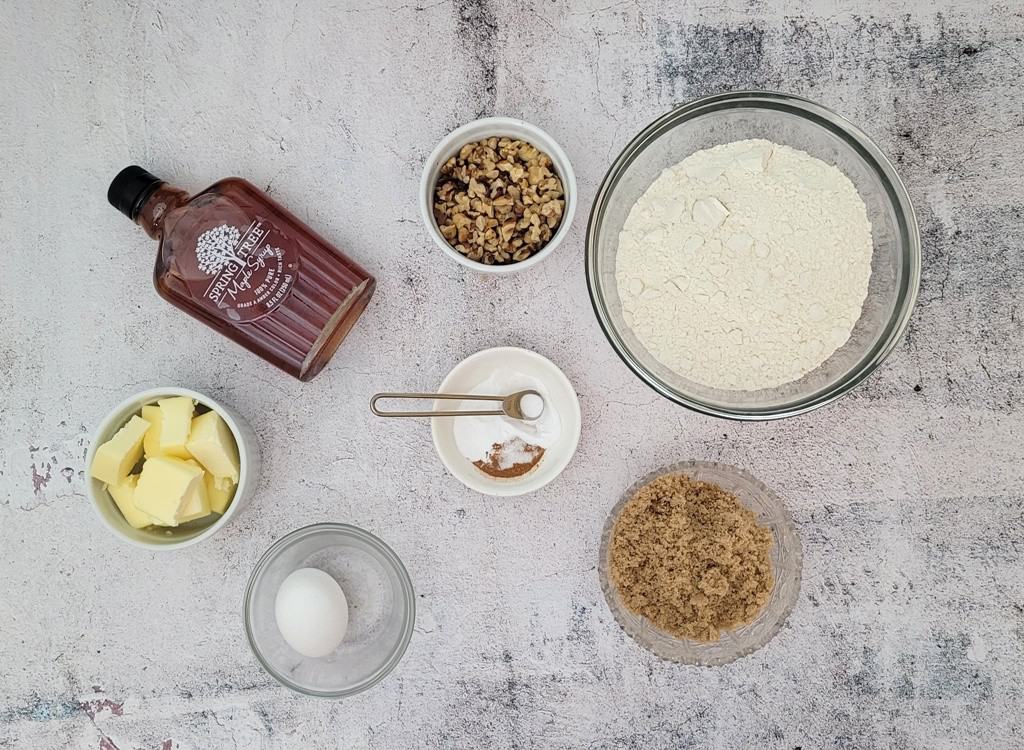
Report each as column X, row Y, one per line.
column 211, row 442
column 124, row 496
column 175, row 425
column 151, row 442
column 166, row 488
column 115, row 458
column 169, row 467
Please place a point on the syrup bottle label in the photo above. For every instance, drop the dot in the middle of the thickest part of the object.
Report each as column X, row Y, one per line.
column 243, row 272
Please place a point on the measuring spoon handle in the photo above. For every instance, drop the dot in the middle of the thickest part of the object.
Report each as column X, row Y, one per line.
column 449, row 396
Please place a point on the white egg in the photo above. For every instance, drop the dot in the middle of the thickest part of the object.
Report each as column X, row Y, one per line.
column 311, row 612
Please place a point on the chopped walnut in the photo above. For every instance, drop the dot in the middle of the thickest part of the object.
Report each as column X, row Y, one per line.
column 498, row 201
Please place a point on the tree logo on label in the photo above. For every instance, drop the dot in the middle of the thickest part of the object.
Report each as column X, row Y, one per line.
column 217, row 248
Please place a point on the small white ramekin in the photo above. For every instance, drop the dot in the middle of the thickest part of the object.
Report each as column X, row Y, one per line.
column 478, row 367
column 155, row 537
column 486, row 128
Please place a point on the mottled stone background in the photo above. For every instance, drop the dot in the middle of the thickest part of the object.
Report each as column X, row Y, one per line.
column 909, row 631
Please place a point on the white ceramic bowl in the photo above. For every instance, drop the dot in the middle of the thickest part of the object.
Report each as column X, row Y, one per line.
column 485, row 128
column 159, row 538
column 469, row 373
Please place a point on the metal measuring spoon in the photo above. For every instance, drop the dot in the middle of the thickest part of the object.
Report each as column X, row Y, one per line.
column 511, row 405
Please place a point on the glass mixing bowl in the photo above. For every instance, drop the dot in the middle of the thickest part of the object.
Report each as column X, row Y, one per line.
column 381, row 609
column 787, row 563
column 809, row 127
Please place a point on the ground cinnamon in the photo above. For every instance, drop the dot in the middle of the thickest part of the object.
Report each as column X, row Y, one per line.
column 510, row 459
column 690, row 558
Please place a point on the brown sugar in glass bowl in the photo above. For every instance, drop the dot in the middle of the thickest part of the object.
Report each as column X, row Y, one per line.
column 716, row 628
column 690, row 558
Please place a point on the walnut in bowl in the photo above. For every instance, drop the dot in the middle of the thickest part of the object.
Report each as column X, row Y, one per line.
column 498, row 195
column 498, row 200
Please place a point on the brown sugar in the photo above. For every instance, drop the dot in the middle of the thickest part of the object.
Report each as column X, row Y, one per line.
column 690, row 558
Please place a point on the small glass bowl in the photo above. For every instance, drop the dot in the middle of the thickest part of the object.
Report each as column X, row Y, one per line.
column 803, row 125
column 787, row 562
column 381, row 609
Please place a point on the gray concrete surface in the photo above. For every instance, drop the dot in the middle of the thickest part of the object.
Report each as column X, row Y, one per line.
column 910, row 626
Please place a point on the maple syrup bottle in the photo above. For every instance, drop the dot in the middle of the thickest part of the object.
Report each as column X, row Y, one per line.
column 237, row 260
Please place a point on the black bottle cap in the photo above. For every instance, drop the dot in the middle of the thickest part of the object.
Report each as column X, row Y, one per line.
column 130, row 189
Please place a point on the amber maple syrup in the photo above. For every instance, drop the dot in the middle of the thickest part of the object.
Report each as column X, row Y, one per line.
column 240, row 262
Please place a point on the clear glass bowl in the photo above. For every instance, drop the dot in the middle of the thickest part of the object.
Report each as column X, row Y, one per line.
column 801, row 124
column 381, row 609
column 787, row 562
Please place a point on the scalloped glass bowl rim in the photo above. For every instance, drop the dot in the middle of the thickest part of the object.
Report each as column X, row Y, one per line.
column 696, row 658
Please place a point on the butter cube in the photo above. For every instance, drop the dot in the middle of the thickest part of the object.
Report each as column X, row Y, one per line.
column 220, row 492
column 165, row 486
column 175, row 423
column 118, row 456
column 213, row 445
column 151, row 443
column 124, row 496
column 197, row 504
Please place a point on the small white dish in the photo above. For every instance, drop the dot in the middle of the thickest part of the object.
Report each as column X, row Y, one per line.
column 157, row 537
column 486, row 128
column 473, row 370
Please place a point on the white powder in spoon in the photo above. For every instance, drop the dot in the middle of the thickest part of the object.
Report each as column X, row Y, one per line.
column 745, row 266
column 531, row 405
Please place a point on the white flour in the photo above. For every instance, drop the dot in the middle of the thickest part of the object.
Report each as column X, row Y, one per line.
column 745, row 266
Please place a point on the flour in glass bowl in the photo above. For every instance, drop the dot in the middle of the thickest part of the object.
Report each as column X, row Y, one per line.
column 745, row 266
